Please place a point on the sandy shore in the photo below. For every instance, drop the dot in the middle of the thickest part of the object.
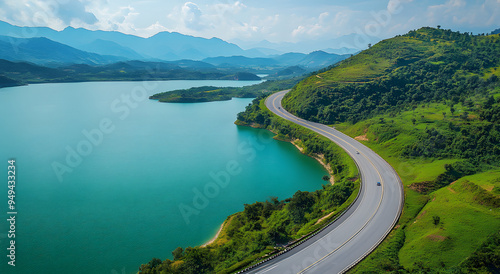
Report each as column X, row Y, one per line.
column 215, row 237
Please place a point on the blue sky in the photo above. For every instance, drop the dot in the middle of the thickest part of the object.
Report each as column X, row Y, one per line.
column 256, row 20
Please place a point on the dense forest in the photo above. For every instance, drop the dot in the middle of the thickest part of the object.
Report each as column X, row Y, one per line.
column 428, row 65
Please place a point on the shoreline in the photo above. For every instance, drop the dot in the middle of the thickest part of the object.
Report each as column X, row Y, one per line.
column 211, row 241
column 318, row 158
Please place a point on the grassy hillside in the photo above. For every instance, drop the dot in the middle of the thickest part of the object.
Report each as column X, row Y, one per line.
column 428, row 65
column 460, row 193
column 429, row 103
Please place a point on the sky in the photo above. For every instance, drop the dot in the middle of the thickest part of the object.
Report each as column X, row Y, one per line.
column 256, row 20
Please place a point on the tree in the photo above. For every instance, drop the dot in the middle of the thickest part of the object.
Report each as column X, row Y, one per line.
column 439, row 26
column 413, row 120
column 436, row 220
column 444, row 115
column 299, row 205
column 253, row 211
column 489, row 103
column 197, row 260
column 452, row 110
column 326, row 178
column 178, row 253
column 154, row 263
column 369, row 45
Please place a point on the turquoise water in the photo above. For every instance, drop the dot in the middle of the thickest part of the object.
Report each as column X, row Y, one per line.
column 107, row 179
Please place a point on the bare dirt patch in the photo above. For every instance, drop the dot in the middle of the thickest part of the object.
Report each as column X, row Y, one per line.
column 325, row 217
column 421, row 215
column 361, row 138
column 489, row 188
column 436, row 238
column 422, row 187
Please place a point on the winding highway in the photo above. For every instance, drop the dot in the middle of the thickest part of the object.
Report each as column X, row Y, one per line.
column 361, row 228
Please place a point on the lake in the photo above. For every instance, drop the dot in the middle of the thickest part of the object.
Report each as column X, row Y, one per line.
column 107, row 179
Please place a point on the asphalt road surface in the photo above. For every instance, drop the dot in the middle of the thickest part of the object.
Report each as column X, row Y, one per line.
column 361, row 229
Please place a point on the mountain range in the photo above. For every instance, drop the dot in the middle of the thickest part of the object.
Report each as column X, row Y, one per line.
column 347, row 44
column 167, row 46
column 44, row 51
column 164, row 46
column 47, row 55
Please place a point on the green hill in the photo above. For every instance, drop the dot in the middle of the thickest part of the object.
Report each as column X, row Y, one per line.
column 428, row 65
column 7, row 82
column 429, row 103
column 28, row 73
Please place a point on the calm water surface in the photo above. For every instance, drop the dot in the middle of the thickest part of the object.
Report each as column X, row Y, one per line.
column 103, row 173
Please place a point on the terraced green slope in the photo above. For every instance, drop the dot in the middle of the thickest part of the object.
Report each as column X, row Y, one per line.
column 427, row 65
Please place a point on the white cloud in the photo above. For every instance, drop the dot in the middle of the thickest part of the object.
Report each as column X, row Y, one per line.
column 119, row 19
column 460, row 13
column 153, row 29
column 191, row 16
column 56, row 14
column 276, row 21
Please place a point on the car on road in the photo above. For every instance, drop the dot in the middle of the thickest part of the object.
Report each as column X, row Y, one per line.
column 357, row 152
column 378, row 184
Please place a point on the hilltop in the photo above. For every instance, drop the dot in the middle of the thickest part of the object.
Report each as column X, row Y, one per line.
column 426, row 65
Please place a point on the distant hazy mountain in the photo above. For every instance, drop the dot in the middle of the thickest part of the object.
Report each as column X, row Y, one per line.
column 497, row 31
column 105, row 47
column 341, row 51
column 313, row 60
column 320, row 59
column 44, row 51
column 164, row 45
column 290, row 59
column 353, row 42
column 261, row 52
column 241, row 61
column 290, row 72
